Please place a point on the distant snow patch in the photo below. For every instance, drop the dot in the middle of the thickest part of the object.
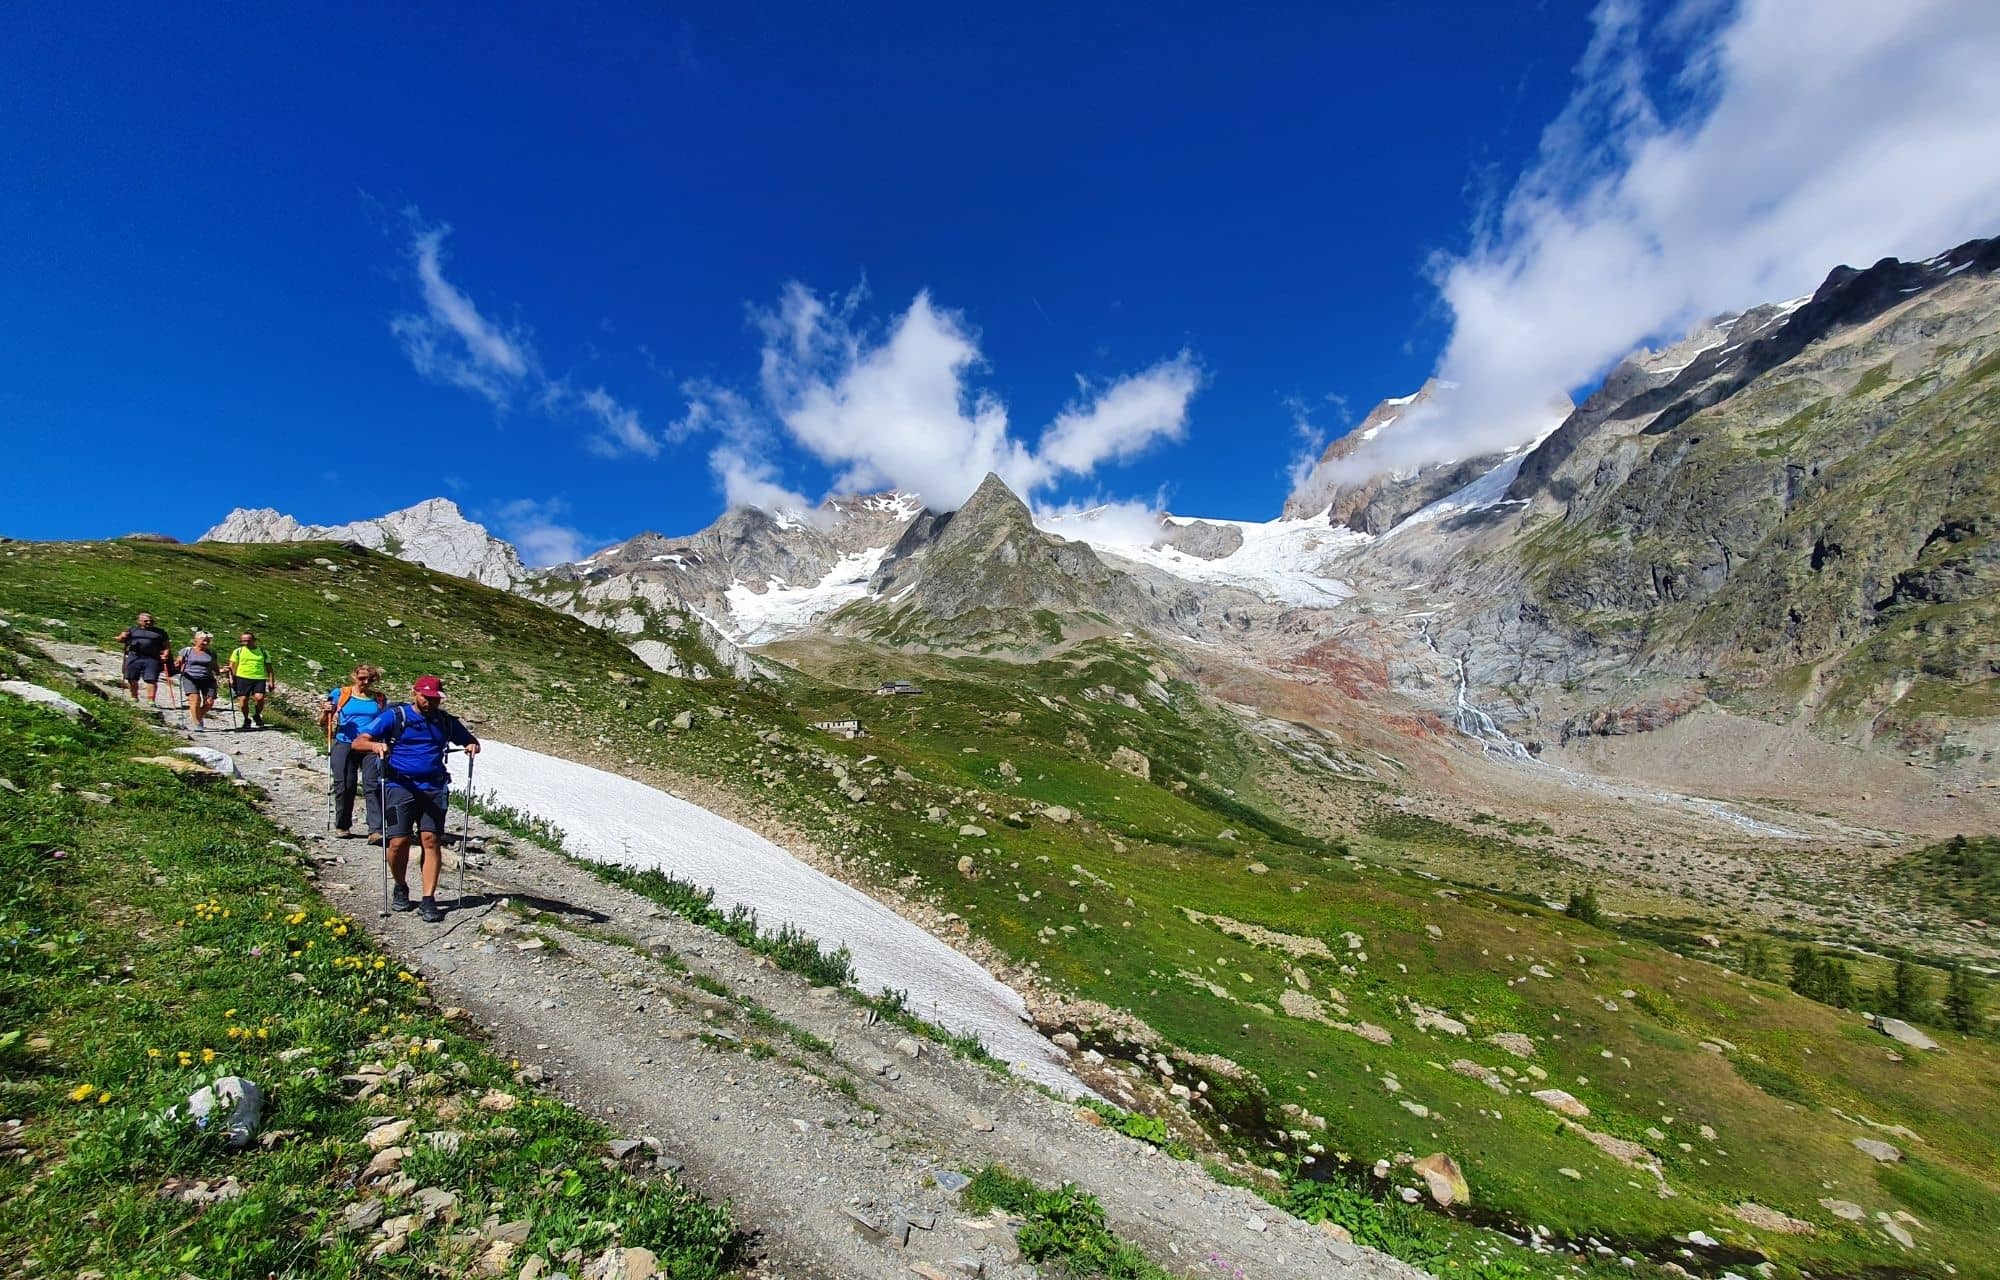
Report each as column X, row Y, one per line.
column 1282, row 561
column 781, row 609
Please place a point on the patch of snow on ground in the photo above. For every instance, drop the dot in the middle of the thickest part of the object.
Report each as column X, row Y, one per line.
column 1280, row 560
column 781, row 610
column 610, row 819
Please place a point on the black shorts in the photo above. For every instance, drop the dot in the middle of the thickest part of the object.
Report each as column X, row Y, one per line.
column 244, row 686
column 411, row 810
column 139, row 667
column 203, row 685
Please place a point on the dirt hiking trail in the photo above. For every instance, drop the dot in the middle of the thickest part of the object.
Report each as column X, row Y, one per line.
column 827, row 1152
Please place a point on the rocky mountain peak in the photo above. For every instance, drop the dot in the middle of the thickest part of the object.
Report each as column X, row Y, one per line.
column 433, row 533
column 985, row 571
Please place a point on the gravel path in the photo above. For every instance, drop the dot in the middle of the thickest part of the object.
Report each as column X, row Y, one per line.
column 826, row 1148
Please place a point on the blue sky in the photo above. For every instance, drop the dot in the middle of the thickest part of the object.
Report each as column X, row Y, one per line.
column 580, row 271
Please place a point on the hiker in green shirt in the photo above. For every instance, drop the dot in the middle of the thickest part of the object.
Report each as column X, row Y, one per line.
column 250, row 678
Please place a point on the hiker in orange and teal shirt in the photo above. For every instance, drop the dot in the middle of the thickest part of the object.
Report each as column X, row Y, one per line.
column 346, row 712
column 250, row 678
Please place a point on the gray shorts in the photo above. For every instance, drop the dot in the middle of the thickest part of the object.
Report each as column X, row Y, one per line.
column 411, row 810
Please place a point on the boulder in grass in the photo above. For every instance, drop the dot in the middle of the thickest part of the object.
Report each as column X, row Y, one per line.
column 1447, row 1184
column 233, row 1103
column 1561, row 1100
column 45, row 698
column 1902, row 1032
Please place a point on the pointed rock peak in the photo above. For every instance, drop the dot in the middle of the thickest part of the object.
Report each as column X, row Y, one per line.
column 992, row 496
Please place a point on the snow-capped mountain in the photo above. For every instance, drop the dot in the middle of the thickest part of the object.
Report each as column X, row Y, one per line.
column 756, row 575
column 1804, row 487
column 433, row 533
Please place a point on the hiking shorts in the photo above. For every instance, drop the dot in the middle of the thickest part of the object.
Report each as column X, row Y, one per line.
column 412, row 810
column 205, row 685
column 139, row 667
column 244, row 687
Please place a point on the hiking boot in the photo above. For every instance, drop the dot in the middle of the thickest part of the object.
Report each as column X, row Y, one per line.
column 430, row 912
column 399, row 898
column 374, row 837
column 342, row 833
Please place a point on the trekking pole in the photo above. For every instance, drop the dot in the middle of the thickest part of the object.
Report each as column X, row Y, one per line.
column 465, row 830
column 382, row 785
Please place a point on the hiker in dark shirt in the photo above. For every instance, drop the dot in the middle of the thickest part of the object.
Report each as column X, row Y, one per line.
column 148, row 653
column 412, row 740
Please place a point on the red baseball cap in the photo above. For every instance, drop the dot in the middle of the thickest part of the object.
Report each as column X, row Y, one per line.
column 428, row 687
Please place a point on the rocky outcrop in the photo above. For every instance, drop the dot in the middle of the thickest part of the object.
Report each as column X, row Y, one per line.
column 433, row 533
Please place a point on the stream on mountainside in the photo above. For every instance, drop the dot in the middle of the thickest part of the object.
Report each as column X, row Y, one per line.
column 1476, row 723
column 1237, row 1116
column 1470, row 719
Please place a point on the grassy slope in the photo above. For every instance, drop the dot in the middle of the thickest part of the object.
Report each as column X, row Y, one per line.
column 1116, row 931
column 173, row 941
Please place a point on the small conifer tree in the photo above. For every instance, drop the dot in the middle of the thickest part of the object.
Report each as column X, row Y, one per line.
column 1583, row 906
column 1961, row 1000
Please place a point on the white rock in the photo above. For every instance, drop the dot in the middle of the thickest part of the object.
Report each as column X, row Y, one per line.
column 44, row 697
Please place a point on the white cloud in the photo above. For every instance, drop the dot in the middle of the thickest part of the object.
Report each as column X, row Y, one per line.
column 1796, row 135
column 622, row 432
column 1311, row 437
column 900, row 410
column 741, row 461
column 1120, row 523
column 1124, row 419
column 452, row 342
column 537, row 532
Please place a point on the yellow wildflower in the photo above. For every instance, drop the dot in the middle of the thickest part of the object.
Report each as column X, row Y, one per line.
column 81, row 1092
column 207, row 1056
column 152, row 1053
column 103, row 1097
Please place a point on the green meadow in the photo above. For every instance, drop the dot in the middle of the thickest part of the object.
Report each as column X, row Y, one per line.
column 1323, row 1004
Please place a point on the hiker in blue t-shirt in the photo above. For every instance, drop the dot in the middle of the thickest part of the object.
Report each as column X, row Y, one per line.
column 411, row 741
column 346, row 711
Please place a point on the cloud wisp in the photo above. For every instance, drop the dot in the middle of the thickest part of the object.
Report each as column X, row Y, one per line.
column 1792, row 136
column 449, row 340
column 537, row 530
column 899, row 408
